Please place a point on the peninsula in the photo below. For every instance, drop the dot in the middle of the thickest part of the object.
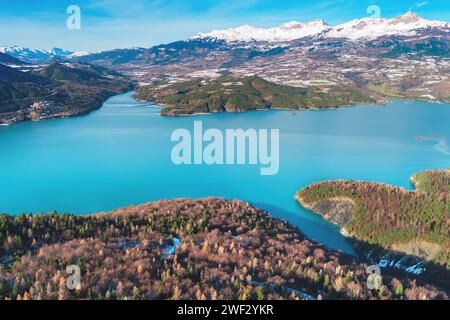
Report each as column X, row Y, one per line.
column 56, row 90
column 393, row 219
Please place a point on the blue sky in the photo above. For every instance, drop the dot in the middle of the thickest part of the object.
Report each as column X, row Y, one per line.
column 109, row 24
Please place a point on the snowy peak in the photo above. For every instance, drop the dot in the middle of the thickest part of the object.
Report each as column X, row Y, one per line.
column 296, row 25
column 286, row 32
column 58, row 52
column 370, row 28
column 409, row 17
column 414, row 21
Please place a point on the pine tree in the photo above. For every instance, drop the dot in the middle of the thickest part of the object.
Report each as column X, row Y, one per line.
column 137, row 295
column 399, row 290
column 259, row 293
column 326, row 280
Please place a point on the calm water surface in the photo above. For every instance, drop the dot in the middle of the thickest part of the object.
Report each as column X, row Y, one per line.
column 120, row 155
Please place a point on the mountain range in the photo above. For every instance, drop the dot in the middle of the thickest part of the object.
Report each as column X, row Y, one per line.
column 408, row 24
column 234, row 46
column 39, row 56
column 365, row 29
column 286, row 32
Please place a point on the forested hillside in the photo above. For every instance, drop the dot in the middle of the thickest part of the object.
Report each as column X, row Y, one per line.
column 181, row 249
column 239, row 94
column 394, row 218
column 56, row 90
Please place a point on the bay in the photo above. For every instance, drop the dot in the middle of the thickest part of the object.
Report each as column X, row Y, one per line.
column 119, row 155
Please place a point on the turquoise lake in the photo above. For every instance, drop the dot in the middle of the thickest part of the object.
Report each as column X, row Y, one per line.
column 120, row 155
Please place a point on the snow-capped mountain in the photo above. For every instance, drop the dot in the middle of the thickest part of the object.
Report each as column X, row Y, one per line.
column 24, row 54
column 38, row 56
column 365, row 28
column 370, row 28
column 286, row 32
column 58, row 52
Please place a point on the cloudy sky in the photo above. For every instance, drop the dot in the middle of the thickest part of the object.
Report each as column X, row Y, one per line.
column 109, row 24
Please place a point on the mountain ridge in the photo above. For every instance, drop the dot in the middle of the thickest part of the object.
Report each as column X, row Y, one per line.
column 286, row 32
column 364, row 28
column 357, row 29
column 9, row 60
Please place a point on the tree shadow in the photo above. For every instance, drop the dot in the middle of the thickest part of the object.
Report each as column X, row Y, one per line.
column 400, row 264
column 392, row 263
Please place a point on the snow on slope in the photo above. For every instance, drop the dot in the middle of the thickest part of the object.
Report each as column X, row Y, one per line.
column 23, row 54
column 78, row 54
column 370, row 28
column 286, row 32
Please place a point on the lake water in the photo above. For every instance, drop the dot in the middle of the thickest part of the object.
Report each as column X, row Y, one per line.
column 120, row 155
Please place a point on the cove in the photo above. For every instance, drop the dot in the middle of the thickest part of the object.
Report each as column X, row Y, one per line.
column 121, row 155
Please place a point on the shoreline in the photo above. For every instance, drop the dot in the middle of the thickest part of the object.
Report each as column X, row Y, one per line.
column 65, row 116
column 380, row 103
